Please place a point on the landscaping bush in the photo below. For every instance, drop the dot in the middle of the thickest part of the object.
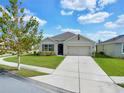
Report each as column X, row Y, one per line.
column 39, row 53
column 101, row 55
column 45, row 53
column 48, row 53
column 35, row 53
column 2, row 52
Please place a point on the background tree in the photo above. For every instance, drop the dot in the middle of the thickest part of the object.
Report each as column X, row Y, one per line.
column 18, row 35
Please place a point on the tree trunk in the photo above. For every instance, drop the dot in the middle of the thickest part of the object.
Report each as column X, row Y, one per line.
column 18, row 60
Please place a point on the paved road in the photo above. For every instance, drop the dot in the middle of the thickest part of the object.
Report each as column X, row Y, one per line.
column 12, row 84
column 29, row 67
column 80, row 74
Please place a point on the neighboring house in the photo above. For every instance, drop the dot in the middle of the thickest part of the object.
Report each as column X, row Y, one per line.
column 68, row 44
column 113, row 47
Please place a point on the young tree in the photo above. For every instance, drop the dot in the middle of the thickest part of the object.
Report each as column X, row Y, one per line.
column 17, row 34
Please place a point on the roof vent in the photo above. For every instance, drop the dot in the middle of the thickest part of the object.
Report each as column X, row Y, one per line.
column 99, row 41
column 78, row 37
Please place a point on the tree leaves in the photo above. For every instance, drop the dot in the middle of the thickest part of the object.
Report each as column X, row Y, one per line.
column 1, row 9
column 22, row 10
column 8, row 9
column 13, row 1
column 18, row 35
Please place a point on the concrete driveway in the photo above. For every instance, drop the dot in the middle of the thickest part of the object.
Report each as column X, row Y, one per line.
column 80, row 74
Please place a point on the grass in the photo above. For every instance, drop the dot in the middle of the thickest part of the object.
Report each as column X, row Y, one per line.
column 112, row 66
column 22, row 72
column 42, row 61
column 99, row 55
column 122, row 85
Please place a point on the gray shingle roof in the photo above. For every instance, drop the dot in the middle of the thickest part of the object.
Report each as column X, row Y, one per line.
column 118, row 39
column 63, row 36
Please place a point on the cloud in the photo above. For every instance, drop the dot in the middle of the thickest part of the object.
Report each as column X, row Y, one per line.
column 80, row 5
column 1, row 14
column 111, row 25
column 47, row 35
column 28, row 12
column 66, row 13
column 41, row 21
column 118, row 23
column 76, row 31
column 102, row 3
column 59, row 27
column 93, row 18
column 101, row 35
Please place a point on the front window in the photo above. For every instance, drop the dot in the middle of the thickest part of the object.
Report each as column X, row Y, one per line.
column 51, row 47
column 47, row 47
column 123, row 48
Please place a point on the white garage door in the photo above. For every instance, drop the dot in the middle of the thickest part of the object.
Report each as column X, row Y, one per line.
column 78, row 51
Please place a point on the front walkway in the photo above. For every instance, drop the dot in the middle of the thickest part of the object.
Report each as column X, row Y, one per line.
column 29, row 67
column 80, row 74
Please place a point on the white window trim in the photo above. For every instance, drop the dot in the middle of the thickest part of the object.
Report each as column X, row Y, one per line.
column 122, row 48
column 48, row 47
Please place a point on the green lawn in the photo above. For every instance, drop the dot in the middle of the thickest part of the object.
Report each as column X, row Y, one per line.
column 22, row 72
column 112, row 66
column 122, row 85
column 42, row 61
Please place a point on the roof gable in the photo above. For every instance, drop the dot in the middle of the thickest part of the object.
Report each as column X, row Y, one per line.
column 48, row 40
column 63, row 36
column 79, row 38
column 118, row 39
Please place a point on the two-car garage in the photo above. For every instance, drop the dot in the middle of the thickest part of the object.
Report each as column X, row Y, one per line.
column 79, row 50
column 79, row 46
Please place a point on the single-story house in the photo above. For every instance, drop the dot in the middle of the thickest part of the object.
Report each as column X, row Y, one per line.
column 68, row 44
column 113, row 47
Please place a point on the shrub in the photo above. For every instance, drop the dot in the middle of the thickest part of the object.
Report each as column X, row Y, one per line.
column 102, row 53
column 2, row 52
column 45, row 53
column 35, row 53
column 39, row 53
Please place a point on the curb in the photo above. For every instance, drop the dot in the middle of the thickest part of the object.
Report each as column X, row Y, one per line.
column 51, row 87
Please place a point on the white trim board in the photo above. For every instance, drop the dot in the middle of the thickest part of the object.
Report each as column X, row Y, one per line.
column 122, row 48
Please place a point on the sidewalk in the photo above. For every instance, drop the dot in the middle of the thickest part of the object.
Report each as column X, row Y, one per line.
column 29, row 67
column 118, row 79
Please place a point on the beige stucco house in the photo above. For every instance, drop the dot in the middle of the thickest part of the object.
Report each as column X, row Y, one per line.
column 68, row 44
column 113, row 47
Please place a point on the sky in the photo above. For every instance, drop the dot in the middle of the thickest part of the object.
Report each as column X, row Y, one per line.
column 95, row 19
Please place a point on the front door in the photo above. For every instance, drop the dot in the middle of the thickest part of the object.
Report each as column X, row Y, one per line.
column 60, row 49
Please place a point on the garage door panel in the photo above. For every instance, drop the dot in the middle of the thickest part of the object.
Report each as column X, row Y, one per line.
column 78, row 51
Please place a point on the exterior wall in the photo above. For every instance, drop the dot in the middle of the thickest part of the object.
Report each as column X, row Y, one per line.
column 49, row 41
column 100, row 48
column 114, row 50
column 76, row 42
column 72, row 42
